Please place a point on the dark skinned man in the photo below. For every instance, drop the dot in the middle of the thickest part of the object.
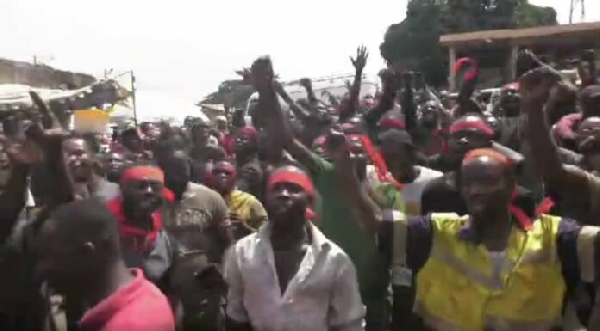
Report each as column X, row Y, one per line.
column 247, row 214
column 145, row 244
column 197, row 217
column 79, row 160
column 334, row 218
column 79, row 255
column 403, row 193
column 442, row 194
column 429, row 134
column 288, row 275
column 540, row 92
column 464, row 263
column 113, row 164
column 250, row 170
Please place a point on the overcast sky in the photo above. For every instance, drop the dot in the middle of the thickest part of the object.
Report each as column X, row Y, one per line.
column 186, row 48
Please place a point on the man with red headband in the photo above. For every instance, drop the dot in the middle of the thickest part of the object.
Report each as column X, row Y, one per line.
column 145, row 244
column 442, row 194
column 288, row 275
column 246, row 213
column 334, row 217
column 493, row 268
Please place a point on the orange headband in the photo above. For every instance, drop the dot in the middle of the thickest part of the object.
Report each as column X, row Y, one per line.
column 518, row 213
column 294, row 177
column 143, row 172
column 488, row 152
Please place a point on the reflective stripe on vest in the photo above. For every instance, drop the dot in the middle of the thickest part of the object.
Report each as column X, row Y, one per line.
column 585, row 252
column 401, row 275
column 491, row 323
column 458, row 288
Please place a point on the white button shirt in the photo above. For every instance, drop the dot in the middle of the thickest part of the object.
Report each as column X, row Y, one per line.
column 323, row 295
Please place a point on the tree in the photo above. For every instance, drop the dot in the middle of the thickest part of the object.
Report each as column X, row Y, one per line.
column 414, row 42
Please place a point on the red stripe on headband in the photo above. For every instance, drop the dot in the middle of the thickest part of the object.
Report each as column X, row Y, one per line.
column 477, row 125
column 143, row 172
column 392, row 123
column 293, row 177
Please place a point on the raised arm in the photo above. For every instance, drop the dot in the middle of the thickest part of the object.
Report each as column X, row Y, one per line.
column 310, row 93
column 278, row 124
column 51, row 138
column 408, row 103
column 543, row 87
column 359, row 62
column 386, row 101
column 356, row 197
column 535, row 88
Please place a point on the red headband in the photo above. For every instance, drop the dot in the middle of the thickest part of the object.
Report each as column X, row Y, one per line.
column 294, row 177
column 477, row 125
column 518, row 213
column 143, row 172
column 248, row 130
column 392, row 123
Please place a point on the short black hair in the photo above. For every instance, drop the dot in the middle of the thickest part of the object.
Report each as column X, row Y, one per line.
column 88, row 220
column 92, row 145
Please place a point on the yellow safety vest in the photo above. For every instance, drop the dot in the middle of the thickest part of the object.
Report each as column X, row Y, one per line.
column 457, row 288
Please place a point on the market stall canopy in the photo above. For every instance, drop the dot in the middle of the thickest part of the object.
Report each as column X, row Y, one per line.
column 15, row 97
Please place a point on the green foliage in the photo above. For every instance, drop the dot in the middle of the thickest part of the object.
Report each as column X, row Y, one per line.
column 530, row 16
column 414, row 42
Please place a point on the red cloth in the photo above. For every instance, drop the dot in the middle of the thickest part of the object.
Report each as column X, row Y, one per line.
column 564, row 129
column 227, row 143
column 477, row 125
column 293, row 177
column 139, row 306
column 392, row 123
column 143, row 172
column 136, row 238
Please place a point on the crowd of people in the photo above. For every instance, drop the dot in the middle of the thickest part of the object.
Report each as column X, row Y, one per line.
column 405, row 210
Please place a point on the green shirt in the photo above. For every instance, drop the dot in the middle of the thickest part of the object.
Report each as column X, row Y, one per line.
column 338, row 224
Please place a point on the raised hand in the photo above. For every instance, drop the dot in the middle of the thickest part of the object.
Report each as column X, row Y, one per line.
column 360, row 61
column 245, row 74
column 535, row 85
column 262, row 74
column 306, row 83
column 390, row 81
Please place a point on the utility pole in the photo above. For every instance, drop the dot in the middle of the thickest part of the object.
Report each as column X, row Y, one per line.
column 135, row 118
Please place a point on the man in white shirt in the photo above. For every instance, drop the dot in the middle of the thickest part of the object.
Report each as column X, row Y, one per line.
column 288, row 276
